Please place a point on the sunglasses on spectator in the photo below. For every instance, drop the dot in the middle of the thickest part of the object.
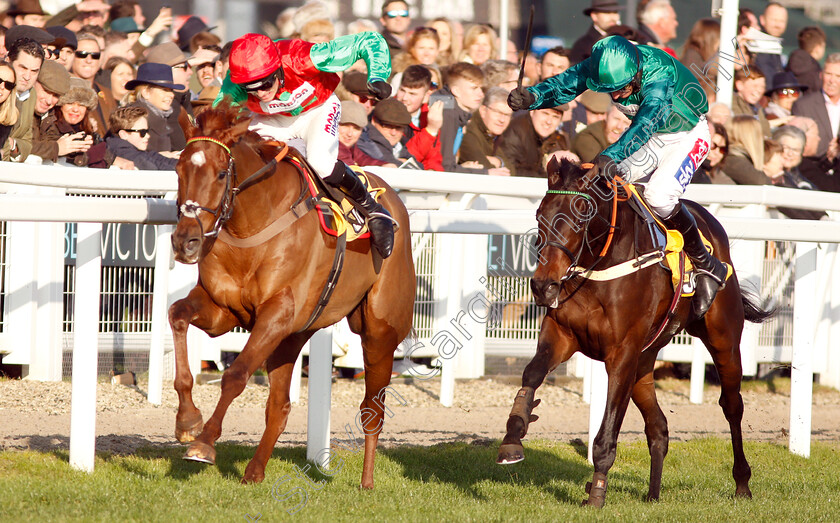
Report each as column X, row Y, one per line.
column 723, row 148
column 397, row 14
column 261, row 85
column 7, row 84
column 183, row 66
column 84, row 54
column 141, row 132
column 788, row 91
column 51, row 53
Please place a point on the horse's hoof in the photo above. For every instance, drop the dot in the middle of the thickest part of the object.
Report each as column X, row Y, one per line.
column 186, row 431
column 253, row 474
column 510, row 453
column 743, row 493
column 201, row 452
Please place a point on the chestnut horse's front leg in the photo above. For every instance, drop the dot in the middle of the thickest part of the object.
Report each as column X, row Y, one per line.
column 199, row 310
column 274, row 322
column 553, row 348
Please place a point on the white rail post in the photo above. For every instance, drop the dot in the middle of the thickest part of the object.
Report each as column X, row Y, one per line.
column 802, row 371
column 85, row 347
column 698, row 371
column 598, row 383
column 320, row 393
column 160, row 321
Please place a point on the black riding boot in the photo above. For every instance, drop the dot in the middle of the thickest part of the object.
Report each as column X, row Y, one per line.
column 380, row 223
column 710, row 272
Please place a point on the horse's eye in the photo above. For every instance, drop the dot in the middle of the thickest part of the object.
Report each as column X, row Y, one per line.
column 222, row 175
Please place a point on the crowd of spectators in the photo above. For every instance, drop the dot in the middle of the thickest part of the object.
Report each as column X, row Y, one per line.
column 95, row 86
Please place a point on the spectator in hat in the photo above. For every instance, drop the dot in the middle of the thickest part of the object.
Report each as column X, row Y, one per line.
column 784, row 92
column 600, row 134
column 72, row 115
column 483, row 131
column 66, row 51
column 205, row 98
column 353, row 120
column 804, row 62
column 395, row 21
column 8, row 109
column 154, row 90
column 355, row 83
column 53, row 83
column 591, row 107
column 86, row 63
column 604, row 14
column 191, row 27
column 47, row 40
column 382, row 139
column 28, row 12
column 26, row 57
column 422, row 136
column 522, row 140
column 128, row 137
column 168, row 53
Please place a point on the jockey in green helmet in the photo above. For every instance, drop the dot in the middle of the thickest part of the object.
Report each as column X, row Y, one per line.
column 664, row 145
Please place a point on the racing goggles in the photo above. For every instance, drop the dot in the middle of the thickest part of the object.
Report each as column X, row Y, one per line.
column 263, row 84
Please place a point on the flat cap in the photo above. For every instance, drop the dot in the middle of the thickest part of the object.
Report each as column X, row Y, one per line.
column 54, row 77
column 391, row 111
column 353, row 112
column 596, row 102
column 355, row 82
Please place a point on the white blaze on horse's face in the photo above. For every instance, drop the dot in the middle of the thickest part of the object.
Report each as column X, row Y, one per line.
column 198, row 159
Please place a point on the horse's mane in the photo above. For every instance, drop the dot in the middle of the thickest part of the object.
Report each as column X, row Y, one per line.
column 228, row 123
column 567, row 175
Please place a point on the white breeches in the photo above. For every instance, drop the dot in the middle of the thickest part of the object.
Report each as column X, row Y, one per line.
column 670, row 160
column 314, row 131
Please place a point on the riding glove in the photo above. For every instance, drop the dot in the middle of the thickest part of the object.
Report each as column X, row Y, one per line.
column 521, row 98
column 607, row 166
column 381, row 90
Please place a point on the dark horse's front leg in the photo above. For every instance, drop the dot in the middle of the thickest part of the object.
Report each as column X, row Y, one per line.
column 553, row 348
column 199, row 310
column 621, row 371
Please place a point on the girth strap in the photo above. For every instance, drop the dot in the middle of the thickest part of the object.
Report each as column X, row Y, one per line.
column 272, row 230
column 332, row 280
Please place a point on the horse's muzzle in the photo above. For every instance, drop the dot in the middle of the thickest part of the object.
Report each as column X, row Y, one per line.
column 546, row 292
column 187, row 249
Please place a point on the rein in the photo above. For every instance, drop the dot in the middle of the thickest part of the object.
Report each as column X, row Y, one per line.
column 224, row 211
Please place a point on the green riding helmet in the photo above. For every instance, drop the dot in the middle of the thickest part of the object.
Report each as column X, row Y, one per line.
column 613, row 64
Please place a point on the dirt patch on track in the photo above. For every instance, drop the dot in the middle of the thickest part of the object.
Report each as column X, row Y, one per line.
column 37, row 415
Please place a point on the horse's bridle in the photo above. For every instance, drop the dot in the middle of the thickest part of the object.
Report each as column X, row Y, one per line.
column 572, row 271
column 224, row 210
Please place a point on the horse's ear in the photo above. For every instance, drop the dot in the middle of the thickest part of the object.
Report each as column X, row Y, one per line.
column 234, row 132
column 191, row 129
column 553, row 170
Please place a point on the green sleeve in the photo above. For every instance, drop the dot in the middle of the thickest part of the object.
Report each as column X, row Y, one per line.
column 562, row 88
column 341, row 53
column 654, row 111
column 236, row 92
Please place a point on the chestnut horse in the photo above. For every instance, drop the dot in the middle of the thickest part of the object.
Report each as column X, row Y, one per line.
column 272, row 288
column 614, row 320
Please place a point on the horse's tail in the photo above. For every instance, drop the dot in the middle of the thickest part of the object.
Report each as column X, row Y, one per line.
column 753, row 312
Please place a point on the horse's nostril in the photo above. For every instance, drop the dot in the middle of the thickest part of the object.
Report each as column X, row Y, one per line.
column 192, row 245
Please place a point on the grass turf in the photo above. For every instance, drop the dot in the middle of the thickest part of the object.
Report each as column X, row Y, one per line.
column 451, row 482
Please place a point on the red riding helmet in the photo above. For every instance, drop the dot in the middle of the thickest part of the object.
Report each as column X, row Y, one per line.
column 253, row 57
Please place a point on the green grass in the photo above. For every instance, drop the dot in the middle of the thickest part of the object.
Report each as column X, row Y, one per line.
column 451, row 482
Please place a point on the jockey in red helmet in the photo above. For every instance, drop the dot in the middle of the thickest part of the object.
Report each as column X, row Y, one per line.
column 289, row 85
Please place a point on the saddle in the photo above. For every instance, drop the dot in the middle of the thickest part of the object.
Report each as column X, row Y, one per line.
column 336, row 213
column 667, row 241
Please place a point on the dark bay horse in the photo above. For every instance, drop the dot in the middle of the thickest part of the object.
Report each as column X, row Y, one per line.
column 613, row 320
column 272, row 288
